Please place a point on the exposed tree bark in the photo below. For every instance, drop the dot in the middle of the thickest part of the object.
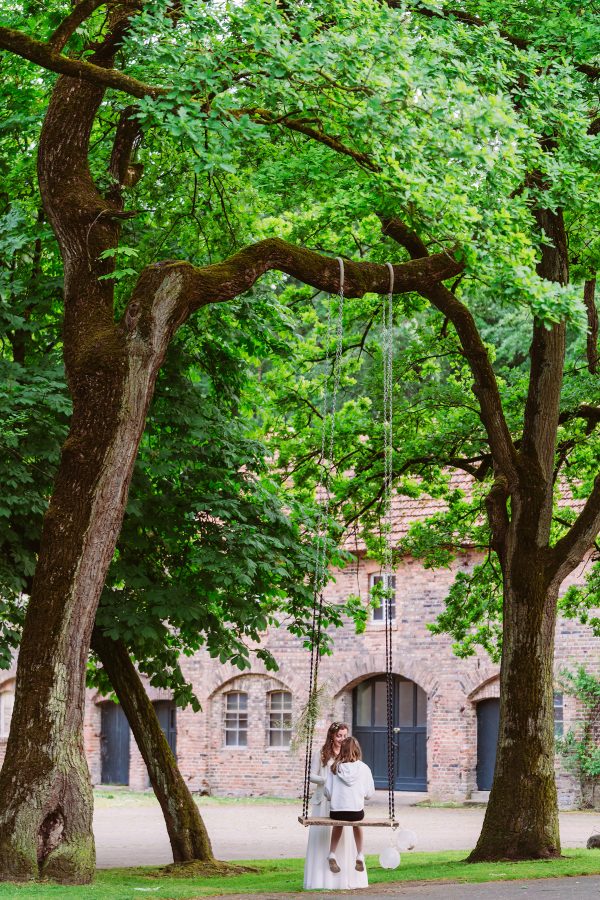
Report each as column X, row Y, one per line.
column 80, row 12
column 589, row 298
column 45, row 55
column 521, row 820
column 45, row 791
column 187, row 833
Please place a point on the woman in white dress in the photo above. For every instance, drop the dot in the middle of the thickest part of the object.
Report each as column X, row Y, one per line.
column 317, row 873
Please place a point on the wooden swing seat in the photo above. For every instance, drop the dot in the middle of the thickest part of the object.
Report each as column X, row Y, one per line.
column 364, row 823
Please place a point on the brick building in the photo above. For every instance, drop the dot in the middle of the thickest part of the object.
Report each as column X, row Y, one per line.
column 445, row 708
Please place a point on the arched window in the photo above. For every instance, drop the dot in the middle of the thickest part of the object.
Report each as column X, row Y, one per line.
column 7, row 700
column 280, row 718
column 236, row 719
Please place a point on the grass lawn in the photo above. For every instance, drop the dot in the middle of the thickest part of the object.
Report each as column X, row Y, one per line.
column 286, row 875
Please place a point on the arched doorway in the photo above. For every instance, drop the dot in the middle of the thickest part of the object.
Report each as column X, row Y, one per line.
column 114, row 744
column 488, row 720
column 369, row 726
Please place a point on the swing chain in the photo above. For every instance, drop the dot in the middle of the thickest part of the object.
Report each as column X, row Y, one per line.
column 327, row 464
column 387, row 561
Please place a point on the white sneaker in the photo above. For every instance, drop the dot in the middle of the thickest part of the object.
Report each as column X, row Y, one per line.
column 333, row 864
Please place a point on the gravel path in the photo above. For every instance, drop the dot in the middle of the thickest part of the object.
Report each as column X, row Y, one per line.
column 131, row 835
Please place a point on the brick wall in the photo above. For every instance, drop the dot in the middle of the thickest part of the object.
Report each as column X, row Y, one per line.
column 453, row 687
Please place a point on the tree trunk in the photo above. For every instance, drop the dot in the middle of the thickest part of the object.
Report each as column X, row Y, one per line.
column 521, row 820
column 187, row 833
column 45, row 792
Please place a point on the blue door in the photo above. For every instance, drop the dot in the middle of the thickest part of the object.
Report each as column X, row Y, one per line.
column 369, row 726
column 114, row 744
column 488, row 721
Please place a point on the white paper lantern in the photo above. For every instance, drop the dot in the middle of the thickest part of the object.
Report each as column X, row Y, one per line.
column 389, row 858
column 405, row 839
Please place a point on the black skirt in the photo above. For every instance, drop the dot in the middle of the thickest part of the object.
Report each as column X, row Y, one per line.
column 347, row 815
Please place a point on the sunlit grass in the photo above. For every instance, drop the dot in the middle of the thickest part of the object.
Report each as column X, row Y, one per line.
column 286, row 875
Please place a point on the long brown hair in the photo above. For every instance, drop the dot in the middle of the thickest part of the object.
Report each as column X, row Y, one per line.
column 349, row 752
column 327, row 748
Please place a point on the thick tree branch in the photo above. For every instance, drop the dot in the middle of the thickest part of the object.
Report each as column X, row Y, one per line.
column 45, row 56
column 186, row 830
column 399, row 232
column 591, row 414
column 485, row 387
column 547, row 357
column 589, row 298
column 568, row 552
column 304, row 126
column 82, row 11
column 188, row 288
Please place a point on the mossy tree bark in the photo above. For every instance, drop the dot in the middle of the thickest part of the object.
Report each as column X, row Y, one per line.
column 187, row 833
column 521, row 820
column 45, row 791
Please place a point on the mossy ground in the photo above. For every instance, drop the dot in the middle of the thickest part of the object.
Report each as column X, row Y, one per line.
column 284, row 875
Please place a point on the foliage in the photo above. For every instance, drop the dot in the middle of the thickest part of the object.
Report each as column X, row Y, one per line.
column 580, row 746
column 583, row 601
column 319, row 700
column 208, row 555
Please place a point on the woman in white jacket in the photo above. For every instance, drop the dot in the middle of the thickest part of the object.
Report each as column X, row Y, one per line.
column 349, row 784
column 317, row 873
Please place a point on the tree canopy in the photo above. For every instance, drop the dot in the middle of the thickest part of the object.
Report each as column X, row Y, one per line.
column 459, row 143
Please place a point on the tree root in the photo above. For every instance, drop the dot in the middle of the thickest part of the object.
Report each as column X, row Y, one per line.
column 198, row 868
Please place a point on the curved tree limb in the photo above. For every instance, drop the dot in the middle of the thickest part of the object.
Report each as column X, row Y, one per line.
column 591, row 414
column 302, row 126
column 568, row 552
column 82, row 11
column 218, row 283
column 485, row 387
column 45, row 56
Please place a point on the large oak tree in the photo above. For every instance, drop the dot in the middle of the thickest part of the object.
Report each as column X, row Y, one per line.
column 111, row 363
column 473, row 144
